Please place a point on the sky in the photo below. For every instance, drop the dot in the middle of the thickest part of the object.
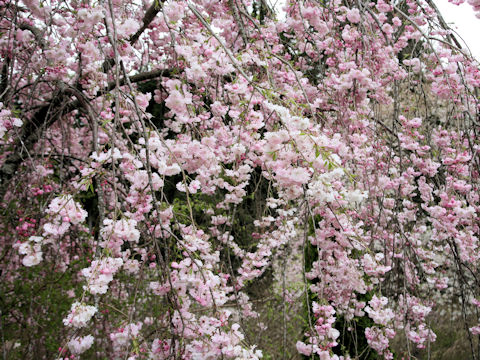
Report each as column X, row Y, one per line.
column 462, row 19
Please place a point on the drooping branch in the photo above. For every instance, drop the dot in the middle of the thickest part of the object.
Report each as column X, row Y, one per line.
column 444, row 24
column 46, row 116
column 31, row 131
column 150, row 14
column 234, row 7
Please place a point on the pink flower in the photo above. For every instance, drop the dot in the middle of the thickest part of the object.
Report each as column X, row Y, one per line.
column 353, row 15
column 177, row 102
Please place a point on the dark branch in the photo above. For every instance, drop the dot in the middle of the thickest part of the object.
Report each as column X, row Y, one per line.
column 36, row 33
column 44, row 117
column 152, row 11
column 137, row 78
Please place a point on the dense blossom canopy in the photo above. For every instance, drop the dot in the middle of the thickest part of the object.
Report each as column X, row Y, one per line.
column 158, row 161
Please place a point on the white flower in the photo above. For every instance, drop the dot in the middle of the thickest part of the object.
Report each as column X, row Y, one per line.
column 37, row 239
column 79, row 315
column 25, row 249
column 32, row 251
column 79, row 345
column 100, row 274
column 33, row 259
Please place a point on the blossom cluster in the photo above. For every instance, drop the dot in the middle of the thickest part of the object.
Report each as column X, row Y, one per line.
column 160, row 161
